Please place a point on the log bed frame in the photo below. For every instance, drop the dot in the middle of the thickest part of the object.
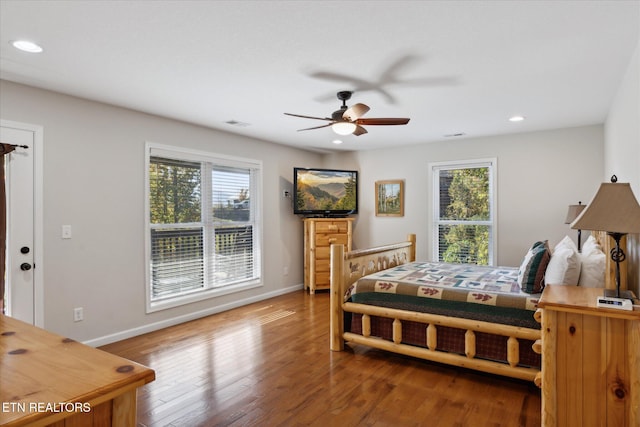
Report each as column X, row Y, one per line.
column 348, row 267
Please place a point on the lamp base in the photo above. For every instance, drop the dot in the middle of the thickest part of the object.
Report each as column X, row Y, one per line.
column 612, row 293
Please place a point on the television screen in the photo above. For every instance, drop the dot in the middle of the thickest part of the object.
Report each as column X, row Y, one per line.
column 326, row 192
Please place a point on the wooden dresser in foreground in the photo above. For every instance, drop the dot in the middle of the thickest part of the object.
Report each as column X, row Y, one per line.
column 49, row 380
column 319, row 235
column 590, row 360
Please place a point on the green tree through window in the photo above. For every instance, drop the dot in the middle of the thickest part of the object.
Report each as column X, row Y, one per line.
column 463, row 223
column 174, row 191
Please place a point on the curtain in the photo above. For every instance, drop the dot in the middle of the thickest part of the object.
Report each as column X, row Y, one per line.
column 4, row 149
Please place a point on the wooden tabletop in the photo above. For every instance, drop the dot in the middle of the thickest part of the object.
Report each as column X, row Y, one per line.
column 39, row 368
column 580, row 299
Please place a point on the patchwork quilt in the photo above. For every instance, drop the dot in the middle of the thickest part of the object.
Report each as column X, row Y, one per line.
column 462, row 283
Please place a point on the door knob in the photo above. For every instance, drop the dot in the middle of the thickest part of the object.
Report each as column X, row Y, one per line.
column 25, row 266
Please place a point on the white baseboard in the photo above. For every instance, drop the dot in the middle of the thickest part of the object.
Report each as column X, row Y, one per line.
column 129, row 333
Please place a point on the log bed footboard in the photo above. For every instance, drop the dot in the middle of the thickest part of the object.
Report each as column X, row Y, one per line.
column 430, row 352
column 346, row 268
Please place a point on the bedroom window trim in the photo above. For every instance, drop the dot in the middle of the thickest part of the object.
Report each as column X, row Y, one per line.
column 492, row 222
column 207, row 227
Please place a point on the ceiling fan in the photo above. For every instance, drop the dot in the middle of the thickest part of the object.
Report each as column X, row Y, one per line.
column 347, row 120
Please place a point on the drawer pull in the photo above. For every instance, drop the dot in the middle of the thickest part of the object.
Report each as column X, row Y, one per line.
column 332, row 239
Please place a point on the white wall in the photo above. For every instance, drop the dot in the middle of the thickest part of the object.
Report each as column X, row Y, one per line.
column 539, row 175
column 622, row 150
column 94, row 181
column 102, row 267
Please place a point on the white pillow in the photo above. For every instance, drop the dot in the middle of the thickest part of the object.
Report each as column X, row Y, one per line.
column 564, row 265
column 591, row 245
column 593, row 262
column 567, row 242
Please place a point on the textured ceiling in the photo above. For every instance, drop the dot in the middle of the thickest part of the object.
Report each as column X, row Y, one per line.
column 451, row 66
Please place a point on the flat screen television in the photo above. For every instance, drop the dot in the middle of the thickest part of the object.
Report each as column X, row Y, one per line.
column 325, row 192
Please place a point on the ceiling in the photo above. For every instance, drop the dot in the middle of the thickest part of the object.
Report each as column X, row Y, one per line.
column 453, row 67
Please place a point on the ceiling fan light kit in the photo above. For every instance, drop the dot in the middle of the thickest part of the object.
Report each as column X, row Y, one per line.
column 343, row 128
column 348, row 120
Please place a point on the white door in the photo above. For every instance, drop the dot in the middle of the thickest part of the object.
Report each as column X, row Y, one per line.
column 21, row 290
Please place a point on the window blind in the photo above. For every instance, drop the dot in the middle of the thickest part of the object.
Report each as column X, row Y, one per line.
column 177, row 261
column 203, row 228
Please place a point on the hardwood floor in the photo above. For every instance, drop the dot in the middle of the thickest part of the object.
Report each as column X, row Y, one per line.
column 269, row 364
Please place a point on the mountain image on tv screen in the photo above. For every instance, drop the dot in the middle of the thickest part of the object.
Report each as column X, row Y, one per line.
column 319, row 190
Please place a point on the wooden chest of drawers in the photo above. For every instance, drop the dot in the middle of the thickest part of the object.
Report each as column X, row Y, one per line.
column 319, row 235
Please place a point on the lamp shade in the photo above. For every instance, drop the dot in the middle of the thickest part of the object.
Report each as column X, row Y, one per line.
column 343, row 128
column 573, row 212
column 613, row 209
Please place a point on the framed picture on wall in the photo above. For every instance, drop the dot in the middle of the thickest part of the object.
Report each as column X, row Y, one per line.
column 390, row 198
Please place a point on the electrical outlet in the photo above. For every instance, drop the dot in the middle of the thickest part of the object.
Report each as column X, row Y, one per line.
column 285, row 270
column 78, row 314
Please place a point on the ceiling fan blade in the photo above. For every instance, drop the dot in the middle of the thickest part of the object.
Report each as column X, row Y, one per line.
column 359, row 131
column 309, row 117
column 383, row 121
column 355, row 112
column 316, row 127
column 328, row 75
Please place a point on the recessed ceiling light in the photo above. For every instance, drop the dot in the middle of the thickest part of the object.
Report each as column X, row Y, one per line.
column 516, row 118
column 337, row 141
column 26, row 46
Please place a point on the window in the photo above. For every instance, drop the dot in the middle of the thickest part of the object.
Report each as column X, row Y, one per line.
column 203, row 226
column 463, row 226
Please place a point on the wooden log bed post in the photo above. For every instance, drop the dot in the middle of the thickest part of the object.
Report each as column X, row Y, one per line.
column 336, row 297
column 361, row 263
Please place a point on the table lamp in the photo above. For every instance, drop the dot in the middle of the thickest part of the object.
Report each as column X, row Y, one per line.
column 614, row 209
column 572, row 214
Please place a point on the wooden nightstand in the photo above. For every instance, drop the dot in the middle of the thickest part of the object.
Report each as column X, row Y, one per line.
column 590, row 360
